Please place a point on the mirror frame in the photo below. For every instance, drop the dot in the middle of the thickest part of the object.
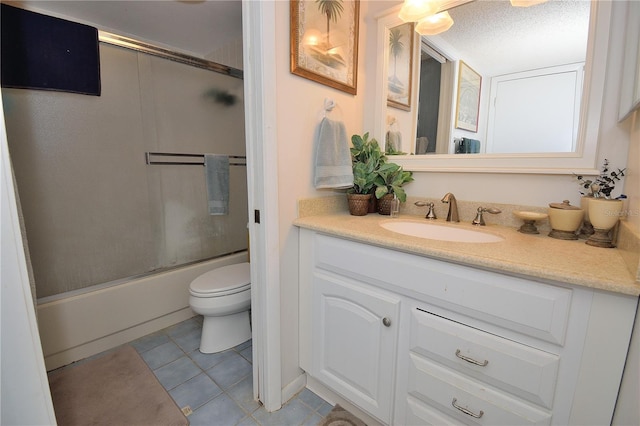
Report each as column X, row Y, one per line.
column 583, row 161
column 630, row 92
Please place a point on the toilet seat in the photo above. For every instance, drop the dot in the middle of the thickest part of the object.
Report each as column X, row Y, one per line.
column 222, row 281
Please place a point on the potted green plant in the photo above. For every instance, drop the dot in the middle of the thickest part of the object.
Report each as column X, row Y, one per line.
column 358, row 196
column 366, row 157
column 391, row 177
column 600, row 187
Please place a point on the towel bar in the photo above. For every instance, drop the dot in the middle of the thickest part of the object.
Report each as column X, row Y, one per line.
column 198, row 159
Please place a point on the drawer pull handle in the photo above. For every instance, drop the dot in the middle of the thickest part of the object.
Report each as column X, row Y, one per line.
column 386, row 322
column 471, row 360
column 465, row 410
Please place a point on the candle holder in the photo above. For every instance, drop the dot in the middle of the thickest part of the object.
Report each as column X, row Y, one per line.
column 604, row 215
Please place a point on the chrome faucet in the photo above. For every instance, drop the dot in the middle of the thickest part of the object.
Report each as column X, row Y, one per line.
column 452, row 214
column 479, row 220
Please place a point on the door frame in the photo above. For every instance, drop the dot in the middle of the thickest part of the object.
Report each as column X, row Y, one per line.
column 258, row 22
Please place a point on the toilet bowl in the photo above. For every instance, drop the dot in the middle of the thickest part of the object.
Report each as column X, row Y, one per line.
column 223, row 297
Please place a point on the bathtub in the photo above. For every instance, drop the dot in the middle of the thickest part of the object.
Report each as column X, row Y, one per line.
column 76, row 325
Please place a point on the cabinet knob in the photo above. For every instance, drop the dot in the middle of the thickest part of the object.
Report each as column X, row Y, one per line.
column 386, row 321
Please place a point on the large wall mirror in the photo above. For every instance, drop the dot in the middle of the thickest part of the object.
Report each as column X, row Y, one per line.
column 539, row 103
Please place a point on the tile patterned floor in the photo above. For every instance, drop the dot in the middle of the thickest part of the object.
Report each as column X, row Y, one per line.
column 218, row 388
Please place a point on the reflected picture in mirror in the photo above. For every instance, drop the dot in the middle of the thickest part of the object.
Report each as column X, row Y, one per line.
column 468, row 103
column 400, row 66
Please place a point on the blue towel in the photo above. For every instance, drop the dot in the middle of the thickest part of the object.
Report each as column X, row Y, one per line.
column 217, row 178
column 333, row 167
column 472, row 146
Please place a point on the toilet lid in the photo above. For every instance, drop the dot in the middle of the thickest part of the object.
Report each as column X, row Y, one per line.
column 221, row 281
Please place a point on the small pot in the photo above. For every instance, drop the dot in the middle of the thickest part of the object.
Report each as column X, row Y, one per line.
column 384, row 204
column 358, row 204
column 565, row 220
column 604, row 213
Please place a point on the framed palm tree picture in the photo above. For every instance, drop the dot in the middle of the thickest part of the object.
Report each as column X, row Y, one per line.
column 400, row 66
column 324, row 42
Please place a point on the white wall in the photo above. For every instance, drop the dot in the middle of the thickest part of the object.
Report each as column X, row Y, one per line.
column 24, row 389
column 301, row 100
column 300, row 103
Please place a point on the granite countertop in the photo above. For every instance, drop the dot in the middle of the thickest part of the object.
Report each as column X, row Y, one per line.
column 533, row 256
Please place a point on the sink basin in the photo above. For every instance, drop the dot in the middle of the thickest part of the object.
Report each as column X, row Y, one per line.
column 439, row 232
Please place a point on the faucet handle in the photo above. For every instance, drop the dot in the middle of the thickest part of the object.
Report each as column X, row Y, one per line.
column 430, row 214
column 479, row 220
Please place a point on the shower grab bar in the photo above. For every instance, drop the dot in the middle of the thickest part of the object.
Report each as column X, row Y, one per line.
column 151, row 161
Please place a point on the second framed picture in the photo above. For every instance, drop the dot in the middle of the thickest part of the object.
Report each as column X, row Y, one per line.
column 400, row 66
column 468, row 104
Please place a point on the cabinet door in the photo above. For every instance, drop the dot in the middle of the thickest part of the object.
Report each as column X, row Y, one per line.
column 354, row 341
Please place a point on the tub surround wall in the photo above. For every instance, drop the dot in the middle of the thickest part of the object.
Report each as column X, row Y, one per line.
column 94, row 211
column 80, row 326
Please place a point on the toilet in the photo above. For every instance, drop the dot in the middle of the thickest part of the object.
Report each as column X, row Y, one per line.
column 223, row 297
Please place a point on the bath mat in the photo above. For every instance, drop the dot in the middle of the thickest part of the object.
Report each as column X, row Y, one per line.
column 341, row 417
column 115, row 389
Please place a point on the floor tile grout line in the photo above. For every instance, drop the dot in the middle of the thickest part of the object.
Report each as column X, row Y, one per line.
column 248, row 414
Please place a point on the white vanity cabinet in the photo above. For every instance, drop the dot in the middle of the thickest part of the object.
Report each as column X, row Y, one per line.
column 415, row 340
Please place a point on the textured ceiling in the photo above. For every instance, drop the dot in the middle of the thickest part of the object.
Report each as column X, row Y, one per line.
column 498, row 38
column 495, row 37
column 196, row 27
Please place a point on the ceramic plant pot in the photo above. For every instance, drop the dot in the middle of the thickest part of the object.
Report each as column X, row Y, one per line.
column 604, row 215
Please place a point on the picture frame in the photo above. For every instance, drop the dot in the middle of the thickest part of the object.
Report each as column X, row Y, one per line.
column 400, row 66
column 324, row 42
column 468, row 99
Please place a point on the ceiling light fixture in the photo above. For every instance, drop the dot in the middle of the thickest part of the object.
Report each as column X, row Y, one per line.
column 434, row 24
column 415, row 10
column 526, row 3
column 429, row 23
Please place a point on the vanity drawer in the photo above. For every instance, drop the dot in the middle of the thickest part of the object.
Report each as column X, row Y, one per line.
column 521, row 370
column 465, row 399
column 528, row 307
column 420, row 414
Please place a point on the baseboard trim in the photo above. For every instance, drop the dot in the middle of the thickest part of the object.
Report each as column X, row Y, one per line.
column 332, row 398
column 292, row 389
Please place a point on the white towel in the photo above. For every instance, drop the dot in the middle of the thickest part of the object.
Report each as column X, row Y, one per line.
column 217, row 178
column 333, row 167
